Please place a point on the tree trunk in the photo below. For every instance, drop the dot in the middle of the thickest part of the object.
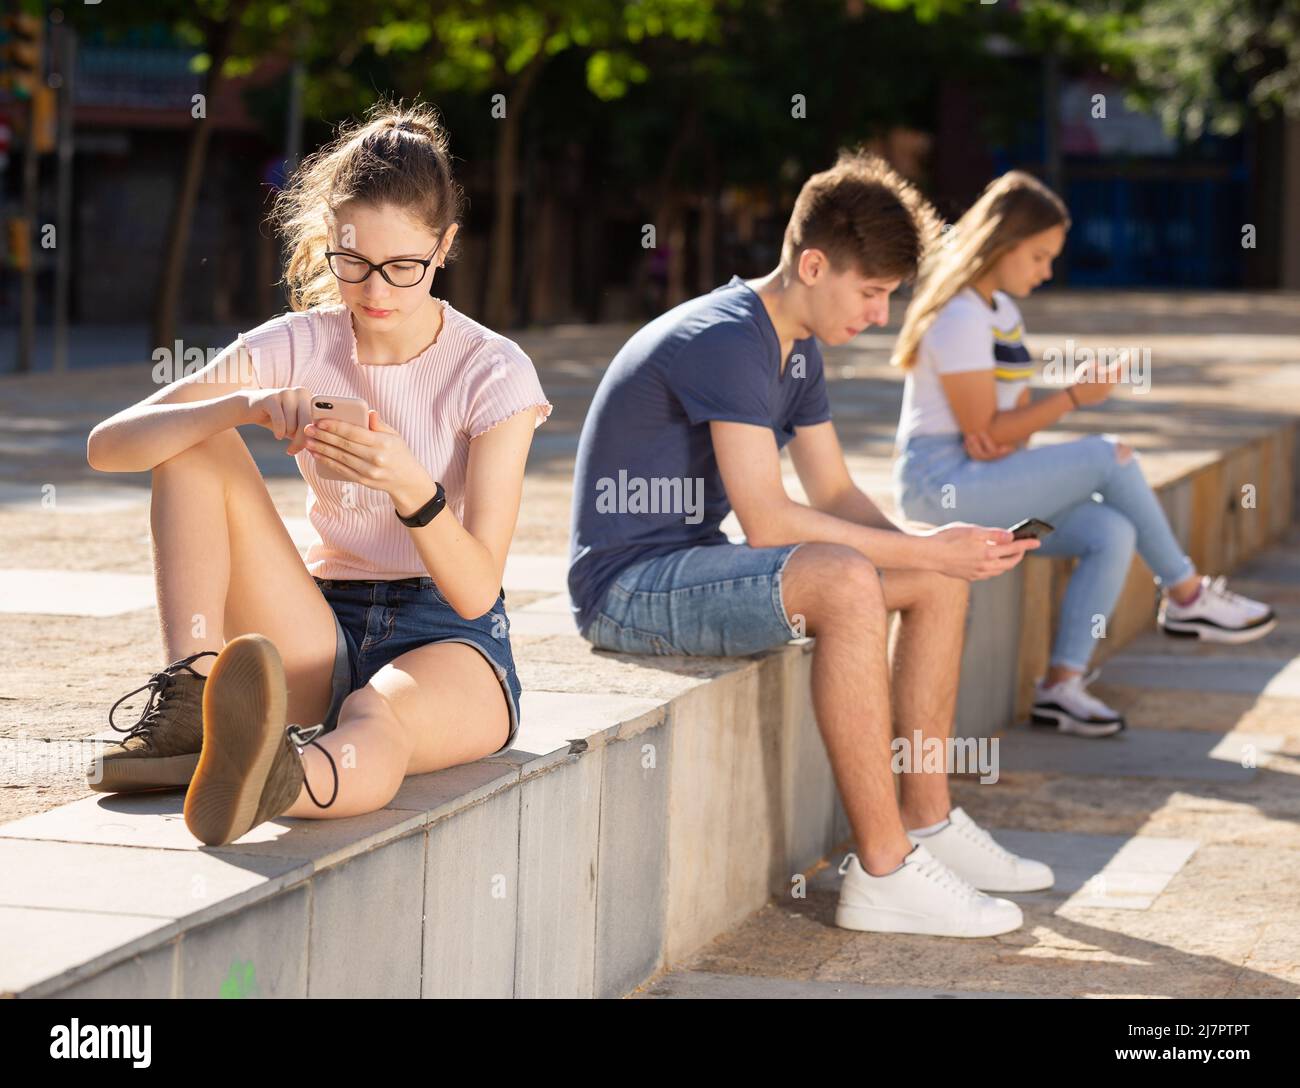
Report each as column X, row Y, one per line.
column 501, row 258
column 219, row 40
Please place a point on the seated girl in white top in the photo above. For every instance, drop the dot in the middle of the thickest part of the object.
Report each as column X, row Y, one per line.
column 392, row 636
column 968, row 414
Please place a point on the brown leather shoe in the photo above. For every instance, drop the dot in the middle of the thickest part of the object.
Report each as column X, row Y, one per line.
column 162, row 749
column 250, row 769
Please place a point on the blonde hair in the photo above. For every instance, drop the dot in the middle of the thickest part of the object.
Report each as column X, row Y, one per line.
column 861, row 213
column 1011, row 208
column 398, row 155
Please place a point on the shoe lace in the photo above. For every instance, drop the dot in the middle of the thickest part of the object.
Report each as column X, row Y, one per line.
column 1219, row 588
column 931, row 869
column 1079, row 684
column 158, row 686
column 972, row 833
column 304, row 735
column 934, row 869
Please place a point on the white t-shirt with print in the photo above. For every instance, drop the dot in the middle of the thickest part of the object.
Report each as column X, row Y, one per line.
column 967, row 335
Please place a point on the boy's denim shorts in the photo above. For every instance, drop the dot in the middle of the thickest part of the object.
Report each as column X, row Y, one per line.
column 376, row 621
column 715, row 600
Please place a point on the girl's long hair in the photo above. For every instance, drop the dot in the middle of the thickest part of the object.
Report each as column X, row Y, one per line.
column 1011, row 209
column 398, row 155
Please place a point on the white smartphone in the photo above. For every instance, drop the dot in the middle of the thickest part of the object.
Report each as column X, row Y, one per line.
column 348, row 409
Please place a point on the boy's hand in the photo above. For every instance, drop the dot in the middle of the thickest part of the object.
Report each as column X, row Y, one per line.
column 976, row 552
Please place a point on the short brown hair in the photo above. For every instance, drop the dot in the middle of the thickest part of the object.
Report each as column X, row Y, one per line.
column 861, row 212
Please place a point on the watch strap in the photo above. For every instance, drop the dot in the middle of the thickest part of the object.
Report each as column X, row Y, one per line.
column 427, row 512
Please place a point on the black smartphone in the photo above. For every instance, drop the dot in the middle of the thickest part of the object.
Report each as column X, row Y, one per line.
column 1030, row 529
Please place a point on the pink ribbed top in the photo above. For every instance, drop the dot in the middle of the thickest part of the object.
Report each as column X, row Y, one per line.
column 467, row 381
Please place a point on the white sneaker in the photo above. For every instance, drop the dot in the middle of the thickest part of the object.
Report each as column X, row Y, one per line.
column 1068, row 706
column 971, row 852
column 1217, row 615
column 924, row 896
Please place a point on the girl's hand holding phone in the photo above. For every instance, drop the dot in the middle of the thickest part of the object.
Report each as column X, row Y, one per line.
column 283, row 412
column 375, row 456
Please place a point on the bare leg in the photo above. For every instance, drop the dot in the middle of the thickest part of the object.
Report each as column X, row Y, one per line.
column 432, row 707
column 839, row 594
column 926, row 658
column 224, row 565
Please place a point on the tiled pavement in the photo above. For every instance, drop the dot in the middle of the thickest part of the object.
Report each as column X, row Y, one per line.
column 1176, row 848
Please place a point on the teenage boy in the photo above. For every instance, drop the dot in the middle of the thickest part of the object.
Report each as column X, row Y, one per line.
column 687, row 424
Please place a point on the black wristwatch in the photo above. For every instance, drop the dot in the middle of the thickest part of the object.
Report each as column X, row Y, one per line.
column 427, row 512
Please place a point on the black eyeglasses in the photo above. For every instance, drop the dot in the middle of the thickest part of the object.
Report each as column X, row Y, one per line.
column 406, row 271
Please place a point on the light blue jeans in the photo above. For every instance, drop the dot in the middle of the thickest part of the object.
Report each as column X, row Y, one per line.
column 1100, row 507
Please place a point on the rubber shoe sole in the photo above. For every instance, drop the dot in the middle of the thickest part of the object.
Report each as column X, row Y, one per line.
column 1191, row 629
column 135, row 775
column 244, row 707
column 876, row 920
column 1065, row 723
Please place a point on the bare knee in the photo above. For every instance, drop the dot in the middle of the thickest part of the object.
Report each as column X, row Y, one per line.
column 1123, row 453
column 367, row 705
column 832, row 583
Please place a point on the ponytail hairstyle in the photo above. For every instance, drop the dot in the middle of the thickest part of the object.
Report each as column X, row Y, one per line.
column 1011, row 208
column 397, row 155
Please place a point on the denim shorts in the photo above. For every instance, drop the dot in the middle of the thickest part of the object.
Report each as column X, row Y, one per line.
column 376, row 621
column 715, row 600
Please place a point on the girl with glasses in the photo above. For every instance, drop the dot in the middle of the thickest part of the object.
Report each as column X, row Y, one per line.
column 312, row 688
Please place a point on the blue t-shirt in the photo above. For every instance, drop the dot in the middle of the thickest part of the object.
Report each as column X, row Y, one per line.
column 646, row 481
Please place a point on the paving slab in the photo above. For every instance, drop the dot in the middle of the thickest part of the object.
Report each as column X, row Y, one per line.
column 537, row 572
column 541, row 622
column 1136, row 753
column 73, row 497
column 1248, row 675
column 706, row 984
column 1108, row 871
column 74, row 593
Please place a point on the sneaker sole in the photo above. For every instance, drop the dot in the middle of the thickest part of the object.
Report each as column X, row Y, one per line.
column 1219, row 634
column 133, row 774
column 1065, row 724
column 869, row 920
column 244, row 707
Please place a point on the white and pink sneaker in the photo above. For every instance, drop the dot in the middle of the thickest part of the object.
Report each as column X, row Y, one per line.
column 1071, row 708
column 1216, row 615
